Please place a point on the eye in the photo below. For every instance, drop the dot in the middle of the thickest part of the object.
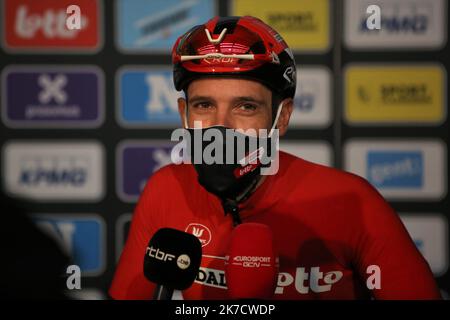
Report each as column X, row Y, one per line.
column 247, row 107
column 202, row 105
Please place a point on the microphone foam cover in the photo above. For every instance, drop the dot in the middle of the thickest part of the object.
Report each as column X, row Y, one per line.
column 172, row 258
column 251, row 266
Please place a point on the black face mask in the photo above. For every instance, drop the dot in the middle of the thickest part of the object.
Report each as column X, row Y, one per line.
column 235, row 172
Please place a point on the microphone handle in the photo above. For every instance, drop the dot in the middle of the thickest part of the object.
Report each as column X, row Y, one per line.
column 162, row 293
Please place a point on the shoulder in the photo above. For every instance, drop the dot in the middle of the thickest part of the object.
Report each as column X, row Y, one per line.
column 317, row 174
column 326, row 182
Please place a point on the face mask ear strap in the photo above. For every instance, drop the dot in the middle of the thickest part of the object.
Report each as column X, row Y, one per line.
column 274, row 125
column 186, row 115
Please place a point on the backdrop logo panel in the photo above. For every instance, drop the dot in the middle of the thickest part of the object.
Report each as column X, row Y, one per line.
column 395, row 94
column 81, row 236
column 147, row 98
column 317, row 152
column 304, row 24
column 395, row 169
column 312, row 106
column 404, row 24
column 136, row 162
column 430, row 234
column 154, row 25
column 400, row 169
column 54, row 171
column 40, row 26
column 49, row 96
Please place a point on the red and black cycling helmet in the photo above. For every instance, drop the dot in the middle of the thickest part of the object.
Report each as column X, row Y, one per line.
column 241, row 46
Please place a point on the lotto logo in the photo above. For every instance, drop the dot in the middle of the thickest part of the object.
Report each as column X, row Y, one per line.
column 40, row 26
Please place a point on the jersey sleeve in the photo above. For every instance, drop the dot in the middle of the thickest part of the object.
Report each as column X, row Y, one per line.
column 129, row 281
column 384, row 245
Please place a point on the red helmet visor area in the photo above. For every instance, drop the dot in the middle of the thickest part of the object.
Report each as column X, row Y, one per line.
column 204, row 52
column 235, row 46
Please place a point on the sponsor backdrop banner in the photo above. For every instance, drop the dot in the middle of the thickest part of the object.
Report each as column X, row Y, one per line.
column 87, row 113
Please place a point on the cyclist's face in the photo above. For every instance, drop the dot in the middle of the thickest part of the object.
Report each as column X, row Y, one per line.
column 234, row 103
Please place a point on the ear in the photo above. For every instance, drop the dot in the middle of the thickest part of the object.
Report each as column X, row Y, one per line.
column 182, row 105
column 285, row 115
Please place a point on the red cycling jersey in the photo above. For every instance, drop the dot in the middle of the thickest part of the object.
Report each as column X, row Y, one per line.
column 332, row 231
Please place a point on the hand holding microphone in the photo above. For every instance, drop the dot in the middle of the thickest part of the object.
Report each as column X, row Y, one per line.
column 172, row 260
column 251, row 266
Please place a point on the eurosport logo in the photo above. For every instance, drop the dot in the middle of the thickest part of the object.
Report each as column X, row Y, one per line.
column 81, row 236
column 317, row 152
column 54, row 171
column 403, row 24
column 402, row 94
column 304, row 24
column 400, row 169
column 154, row 26
column 429, row 232
column 40, row 26
column 147, row 98
column 312, row 106
column 50, row 96
column 122, row 229
column 136, row 162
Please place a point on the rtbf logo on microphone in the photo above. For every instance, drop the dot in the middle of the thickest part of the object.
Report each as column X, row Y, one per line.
column 172, row 259
column 183, row 260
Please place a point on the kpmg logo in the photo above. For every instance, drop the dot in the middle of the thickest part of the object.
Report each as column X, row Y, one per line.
column 412, row 22
column 58, row 97
column 147, row 98
column 53, row 171
column 389, row 169
column 42, row 25
column 136, row 162
column 82, row 237
column 155, row 25
column 401, row 23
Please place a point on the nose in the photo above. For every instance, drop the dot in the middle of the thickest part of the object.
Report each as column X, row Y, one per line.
column 223, row 117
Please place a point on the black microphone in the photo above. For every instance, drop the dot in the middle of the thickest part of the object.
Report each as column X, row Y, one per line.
column 172, row 260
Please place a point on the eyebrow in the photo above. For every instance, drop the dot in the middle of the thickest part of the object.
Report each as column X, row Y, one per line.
column 236, row 99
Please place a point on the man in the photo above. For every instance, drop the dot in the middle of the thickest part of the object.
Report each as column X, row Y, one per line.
column 332, row 229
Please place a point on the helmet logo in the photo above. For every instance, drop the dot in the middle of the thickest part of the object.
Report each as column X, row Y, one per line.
column 218, row 39
column 289, row 74
column 275, row 58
